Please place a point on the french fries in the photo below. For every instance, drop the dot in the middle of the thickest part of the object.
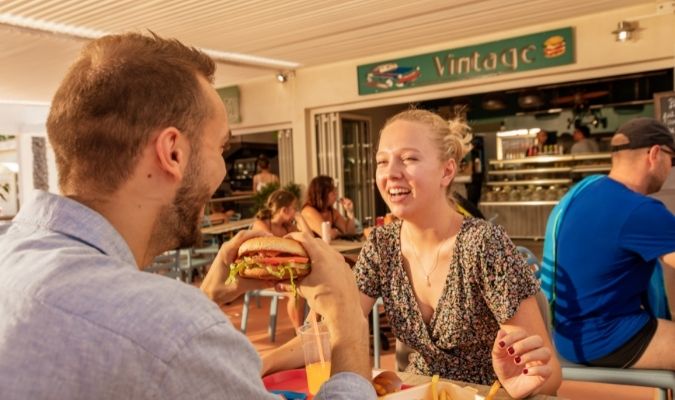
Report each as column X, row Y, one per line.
column 493, row 390
column 434, row 387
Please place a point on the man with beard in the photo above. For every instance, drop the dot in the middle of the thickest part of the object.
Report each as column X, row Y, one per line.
column 138, row 134
column 603, row 241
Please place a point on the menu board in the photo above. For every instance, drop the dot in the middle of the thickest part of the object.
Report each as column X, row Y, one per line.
column 664, row 108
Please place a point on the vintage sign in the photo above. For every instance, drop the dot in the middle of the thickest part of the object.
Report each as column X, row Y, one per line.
column 523, row 53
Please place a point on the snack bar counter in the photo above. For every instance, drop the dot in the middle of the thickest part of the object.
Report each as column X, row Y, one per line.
column 521, row 193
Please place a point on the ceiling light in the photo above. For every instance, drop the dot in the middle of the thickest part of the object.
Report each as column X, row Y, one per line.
column 624, row 30
column 81, row 33
column 282, row 77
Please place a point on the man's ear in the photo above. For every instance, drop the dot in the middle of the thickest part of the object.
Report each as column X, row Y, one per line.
column 171, row 148
column 449, row 172
column 653, row 156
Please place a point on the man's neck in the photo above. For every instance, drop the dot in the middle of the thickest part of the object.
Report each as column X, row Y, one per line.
column 630, row 179
column 133, row 217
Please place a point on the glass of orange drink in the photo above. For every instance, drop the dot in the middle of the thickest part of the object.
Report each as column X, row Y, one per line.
column 316, row 348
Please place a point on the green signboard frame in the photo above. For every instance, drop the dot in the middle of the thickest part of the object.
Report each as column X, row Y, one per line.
column 523, row 53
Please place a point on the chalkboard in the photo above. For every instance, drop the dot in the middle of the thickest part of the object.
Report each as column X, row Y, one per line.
column 664, row 108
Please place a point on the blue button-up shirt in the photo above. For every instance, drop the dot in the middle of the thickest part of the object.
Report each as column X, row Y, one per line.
column 78, row 320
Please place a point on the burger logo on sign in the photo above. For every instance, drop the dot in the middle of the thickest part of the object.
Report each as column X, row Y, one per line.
column 554, row 46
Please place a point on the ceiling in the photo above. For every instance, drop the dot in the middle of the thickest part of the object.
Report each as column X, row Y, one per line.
column 309, row 32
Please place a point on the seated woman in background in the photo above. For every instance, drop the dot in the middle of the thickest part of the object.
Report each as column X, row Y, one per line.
column 278, row 218
column 264, row 176
column 455, row 289
column 321, row 194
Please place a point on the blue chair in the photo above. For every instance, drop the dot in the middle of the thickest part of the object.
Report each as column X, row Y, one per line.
column 377, row 344
column 274, row 308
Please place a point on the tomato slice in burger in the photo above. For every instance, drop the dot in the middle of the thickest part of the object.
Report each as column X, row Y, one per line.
column 281, row 260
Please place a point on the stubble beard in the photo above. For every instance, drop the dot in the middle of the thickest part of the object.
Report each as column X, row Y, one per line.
column 178, row 224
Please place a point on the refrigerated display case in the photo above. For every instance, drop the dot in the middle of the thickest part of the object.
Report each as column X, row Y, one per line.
column 520, row 193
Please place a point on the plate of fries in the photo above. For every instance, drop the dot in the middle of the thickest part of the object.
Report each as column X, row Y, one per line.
column 436, row 390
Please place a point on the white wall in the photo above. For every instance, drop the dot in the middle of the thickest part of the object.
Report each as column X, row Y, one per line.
column 25, row 120
column 334, row 87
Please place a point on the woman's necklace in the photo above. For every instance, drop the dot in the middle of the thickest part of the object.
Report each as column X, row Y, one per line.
column 433, row 268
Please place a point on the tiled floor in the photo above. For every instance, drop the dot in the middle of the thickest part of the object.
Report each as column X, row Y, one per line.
column 257, row 333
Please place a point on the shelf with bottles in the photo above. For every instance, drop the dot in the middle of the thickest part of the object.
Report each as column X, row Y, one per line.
column 529, row 171
column 531, row 182
column 541, row 178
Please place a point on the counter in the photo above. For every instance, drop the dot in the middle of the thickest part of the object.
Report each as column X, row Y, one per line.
column 520, row 193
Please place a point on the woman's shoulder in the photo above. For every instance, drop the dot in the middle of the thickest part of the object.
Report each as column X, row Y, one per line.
column 388, row 233
column 477, row 230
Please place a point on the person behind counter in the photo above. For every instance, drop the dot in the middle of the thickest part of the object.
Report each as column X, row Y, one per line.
column 278, row 218
column 455, row 289
column 321, row 195
column 79, row 318
column 582, row 141
column 264, row 176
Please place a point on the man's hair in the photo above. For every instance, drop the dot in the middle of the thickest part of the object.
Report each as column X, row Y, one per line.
column 121, row 90
column 584, row 130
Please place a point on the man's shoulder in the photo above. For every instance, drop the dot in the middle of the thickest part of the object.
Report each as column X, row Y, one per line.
column 154, row 312
column 96, row 293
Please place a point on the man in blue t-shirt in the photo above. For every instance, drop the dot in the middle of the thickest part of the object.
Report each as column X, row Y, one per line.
column 606, row 248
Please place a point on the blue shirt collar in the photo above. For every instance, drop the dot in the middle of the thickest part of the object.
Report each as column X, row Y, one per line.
column 73, row 219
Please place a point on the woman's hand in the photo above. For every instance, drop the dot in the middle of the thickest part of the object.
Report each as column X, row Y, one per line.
column 521, row 362
column 348, row 206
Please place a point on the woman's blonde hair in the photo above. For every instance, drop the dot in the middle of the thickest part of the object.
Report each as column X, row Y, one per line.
column 452, row 137
column 275, row 202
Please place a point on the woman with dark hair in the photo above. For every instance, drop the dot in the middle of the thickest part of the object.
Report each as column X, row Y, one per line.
column 321, row 194
column 264, row 176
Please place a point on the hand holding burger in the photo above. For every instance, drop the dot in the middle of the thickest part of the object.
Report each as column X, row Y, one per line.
column 214, row 285
column 270, row 258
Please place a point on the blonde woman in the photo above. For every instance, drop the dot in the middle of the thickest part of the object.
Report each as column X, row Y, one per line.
column 277, row 218
column 455, row 289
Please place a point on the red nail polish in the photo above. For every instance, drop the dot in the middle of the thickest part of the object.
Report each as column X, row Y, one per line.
column 502, row 344
column 525, row 371
column 510, row 350
column 517, row 360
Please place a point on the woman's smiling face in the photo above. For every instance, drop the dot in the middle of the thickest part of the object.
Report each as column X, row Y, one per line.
column 410, row 175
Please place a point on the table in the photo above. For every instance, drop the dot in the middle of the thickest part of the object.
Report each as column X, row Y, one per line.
column 346, row 246
column 414, row 380
column 220, row 230
column 234, row 197
column 226, row 227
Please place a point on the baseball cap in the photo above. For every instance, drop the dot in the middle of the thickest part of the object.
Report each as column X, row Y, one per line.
column 642, row 132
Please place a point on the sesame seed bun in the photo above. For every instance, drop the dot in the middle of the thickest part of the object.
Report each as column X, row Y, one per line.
column 272, row 243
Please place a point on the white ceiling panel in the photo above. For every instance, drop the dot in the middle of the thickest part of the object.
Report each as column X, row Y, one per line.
column 307, row 32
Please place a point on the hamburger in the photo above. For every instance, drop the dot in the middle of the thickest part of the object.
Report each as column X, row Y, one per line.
column 554, row 46
column 270, row 258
